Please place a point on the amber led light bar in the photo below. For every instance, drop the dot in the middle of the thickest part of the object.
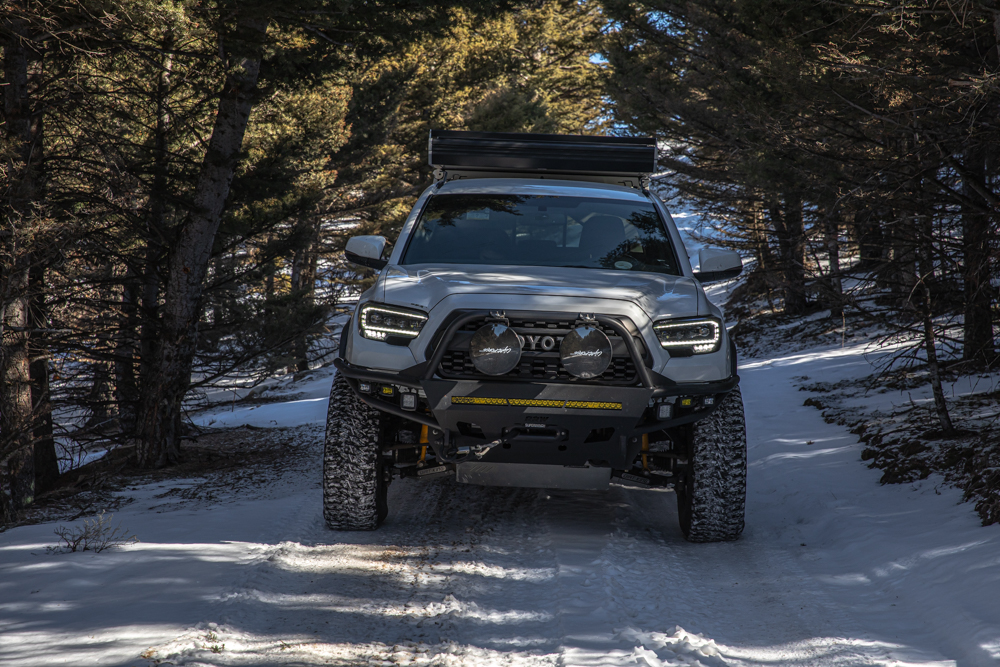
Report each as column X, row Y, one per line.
column 535, row 403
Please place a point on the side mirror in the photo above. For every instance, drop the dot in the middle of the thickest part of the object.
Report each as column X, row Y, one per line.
column 716, row 264
column 366, row 251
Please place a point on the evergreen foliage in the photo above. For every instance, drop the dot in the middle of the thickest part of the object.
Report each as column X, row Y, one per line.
column 830, row 139
column 179, row 176
column 525, row 70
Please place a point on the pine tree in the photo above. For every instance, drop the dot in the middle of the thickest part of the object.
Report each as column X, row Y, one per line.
column 27, row 236
column 860, row 116
column 529, row 69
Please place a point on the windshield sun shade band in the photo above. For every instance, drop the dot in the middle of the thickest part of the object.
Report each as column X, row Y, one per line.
column 377, row 322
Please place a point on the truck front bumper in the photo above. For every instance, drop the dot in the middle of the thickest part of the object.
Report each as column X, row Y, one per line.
column 546, row 423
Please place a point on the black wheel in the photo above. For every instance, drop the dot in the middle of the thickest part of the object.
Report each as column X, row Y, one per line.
column 355, row 479
column 711, row 500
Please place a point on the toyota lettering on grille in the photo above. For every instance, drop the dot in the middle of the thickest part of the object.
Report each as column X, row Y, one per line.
column 547, row 343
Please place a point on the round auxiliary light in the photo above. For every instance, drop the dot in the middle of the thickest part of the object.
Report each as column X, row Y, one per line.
column 495, row 349
column 585, row 352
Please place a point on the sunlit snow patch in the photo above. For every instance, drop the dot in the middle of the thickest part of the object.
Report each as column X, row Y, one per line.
column 212, row 644
column 659, row 649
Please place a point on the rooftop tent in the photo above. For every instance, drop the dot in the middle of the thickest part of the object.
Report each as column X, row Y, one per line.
column 487, row 153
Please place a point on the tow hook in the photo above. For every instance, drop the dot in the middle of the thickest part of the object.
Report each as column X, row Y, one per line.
column 458, row 454
column 479, row 450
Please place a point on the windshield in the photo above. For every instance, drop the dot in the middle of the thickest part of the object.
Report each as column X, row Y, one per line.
column 530, row 230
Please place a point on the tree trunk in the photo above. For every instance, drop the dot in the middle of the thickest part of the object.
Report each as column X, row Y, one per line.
column 46, row 461
column 150, row 316
column 791, row 253
column 903, row 265
column 156, row 234
column 930, row 337
column 831, row 239
column 304, row 283
column 944, row 419
column 761, row 246
column 762, row 249
column 160, row 414
column 101, row 396
column 976, row 270
column 100, row 400
column 17, row 474
column 21, row 191
column 126, row 351
column 867, row 225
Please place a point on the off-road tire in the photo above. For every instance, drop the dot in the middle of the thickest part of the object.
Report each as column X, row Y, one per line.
column 711, row 501
column 354, row 476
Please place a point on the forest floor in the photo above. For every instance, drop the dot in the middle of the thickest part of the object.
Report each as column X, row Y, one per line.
column 235, row 567
column 891, row 407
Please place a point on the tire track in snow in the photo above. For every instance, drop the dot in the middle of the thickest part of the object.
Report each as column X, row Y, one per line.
column 193, row 646
column 753, row 601
column 647, row 596
column 475, row 579
column 608, row 586
column 465, row 575
column 418, row 591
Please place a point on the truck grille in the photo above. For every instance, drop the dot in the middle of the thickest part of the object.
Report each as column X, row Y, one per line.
column 538, row 365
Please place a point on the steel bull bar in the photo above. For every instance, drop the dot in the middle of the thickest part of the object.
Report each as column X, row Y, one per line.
column 416, row 376
column 527, row 400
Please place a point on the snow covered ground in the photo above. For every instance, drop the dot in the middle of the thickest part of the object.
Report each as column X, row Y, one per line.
column 833, row 568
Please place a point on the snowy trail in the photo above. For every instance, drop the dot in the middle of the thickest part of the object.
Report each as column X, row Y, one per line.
column 833, row 569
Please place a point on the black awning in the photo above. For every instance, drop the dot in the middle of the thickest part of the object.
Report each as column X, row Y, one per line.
column 551, row 153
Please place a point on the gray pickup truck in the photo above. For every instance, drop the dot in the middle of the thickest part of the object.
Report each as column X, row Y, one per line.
column 538, row 324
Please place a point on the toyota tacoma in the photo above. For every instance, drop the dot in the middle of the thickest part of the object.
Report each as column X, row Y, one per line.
column 538, row 324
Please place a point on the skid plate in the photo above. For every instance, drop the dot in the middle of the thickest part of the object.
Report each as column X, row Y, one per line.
column 531, row 475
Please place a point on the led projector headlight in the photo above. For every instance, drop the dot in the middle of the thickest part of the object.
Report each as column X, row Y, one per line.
column 695, row 335
column 378, row 322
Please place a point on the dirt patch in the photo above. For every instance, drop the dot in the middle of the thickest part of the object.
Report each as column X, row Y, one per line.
column 906, row 441
column 244, row 463
column 762, row 333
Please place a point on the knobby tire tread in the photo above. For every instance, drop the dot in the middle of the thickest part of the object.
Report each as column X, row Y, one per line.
column 351, row 462
column 715, row 494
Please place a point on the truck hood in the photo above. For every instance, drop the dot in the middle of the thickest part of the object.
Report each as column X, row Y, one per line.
column 424, row 286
